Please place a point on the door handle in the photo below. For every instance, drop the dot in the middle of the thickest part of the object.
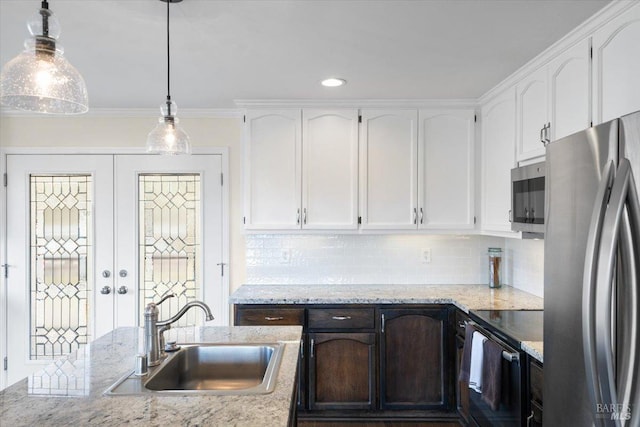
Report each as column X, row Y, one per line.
column 122, row 290
column 548, row 133
column 542, row 133
column 122, row 273
column 312, row 351
column 623, row 192
column 298, row 217
column 221, row 264
column 106, row 274
column 382, row 323
column 589, row 283
column 304, row 216
column 415, row 215
column 421, row 216
column 273, row 319
column 106, row 290
column 341, row 317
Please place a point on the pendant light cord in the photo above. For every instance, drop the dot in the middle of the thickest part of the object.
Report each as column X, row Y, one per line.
column 168, row 65
column 45, row 18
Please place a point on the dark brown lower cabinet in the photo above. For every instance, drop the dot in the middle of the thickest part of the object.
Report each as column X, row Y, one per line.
column 414, row 359
column 536, row 381
column 341, row 371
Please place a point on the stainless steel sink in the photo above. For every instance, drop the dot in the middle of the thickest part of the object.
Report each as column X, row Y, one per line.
column 209, row 369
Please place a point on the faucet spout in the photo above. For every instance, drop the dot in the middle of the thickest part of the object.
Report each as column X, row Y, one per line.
column 184, row 309
column 154, row 337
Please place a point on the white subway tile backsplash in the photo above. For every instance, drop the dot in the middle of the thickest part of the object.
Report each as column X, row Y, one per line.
column 368, row 259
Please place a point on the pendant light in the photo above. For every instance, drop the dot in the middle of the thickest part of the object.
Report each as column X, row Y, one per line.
column 40, row 79
column 168, row 137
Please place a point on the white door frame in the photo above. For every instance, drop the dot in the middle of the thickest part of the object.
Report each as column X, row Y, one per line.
column 222, row 151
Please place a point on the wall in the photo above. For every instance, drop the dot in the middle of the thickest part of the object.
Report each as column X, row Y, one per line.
column 367, row 259
column 525, row 265
column 320, row 259
column 116, row 131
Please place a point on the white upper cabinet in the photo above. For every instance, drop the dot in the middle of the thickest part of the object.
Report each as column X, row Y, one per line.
column 388, row 169
column 272, row 169
column 498, row 158
column 616, row 85
column 330, row 169
column 569, row 91
column 532, row 114
column 553, row 101
column 445, row 169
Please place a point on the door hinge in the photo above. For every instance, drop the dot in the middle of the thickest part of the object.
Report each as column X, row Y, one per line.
column 359, row 220
column 221, row 179
column 359, row 119
column 6, row 363
column 5, row 179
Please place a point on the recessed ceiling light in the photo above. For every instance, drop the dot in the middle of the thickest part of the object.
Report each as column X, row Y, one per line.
column 333, row 82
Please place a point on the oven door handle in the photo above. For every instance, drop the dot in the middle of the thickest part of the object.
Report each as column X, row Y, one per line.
column 510, row 354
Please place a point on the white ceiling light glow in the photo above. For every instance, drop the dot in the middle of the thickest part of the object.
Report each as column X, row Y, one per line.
column 333, row 82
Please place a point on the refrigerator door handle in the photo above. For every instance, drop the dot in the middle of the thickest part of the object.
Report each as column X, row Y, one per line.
column 622, row 193
column 589, row 283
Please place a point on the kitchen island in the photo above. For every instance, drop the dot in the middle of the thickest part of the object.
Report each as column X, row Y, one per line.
column 70, row 390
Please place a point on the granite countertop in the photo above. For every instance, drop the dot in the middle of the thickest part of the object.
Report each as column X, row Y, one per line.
column 70, row 390
column 465, row 297
column 535, row 349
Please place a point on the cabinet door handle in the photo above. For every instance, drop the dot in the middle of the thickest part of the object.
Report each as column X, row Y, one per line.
column 529, row 418
column 312, row 352
column 382, row 323
column 301, row 349
column 298, row 217
column 548, row 135
column 542, row 129
column 273, row 319
column 510, row 216
column 421, row 216
column 415, row 215
column 304, row 216
column 341, row 317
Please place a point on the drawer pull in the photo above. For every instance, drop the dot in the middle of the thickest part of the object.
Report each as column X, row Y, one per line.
column 341, row 317
column 273, row 319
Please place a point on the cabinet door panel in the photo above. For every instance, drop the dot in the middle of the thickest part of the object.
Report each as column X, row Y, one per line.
column 388, row 165
column 617, row 67
column 272, row 169
column 330, row 169
column 498, row 157
column 532, row 114
column 414, row 359
column 445, row 170
column 569, row 91
column 341, row 371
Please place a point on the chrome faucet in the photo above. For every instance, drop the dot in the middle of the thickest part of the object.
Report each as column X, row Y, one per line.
column 153, row 336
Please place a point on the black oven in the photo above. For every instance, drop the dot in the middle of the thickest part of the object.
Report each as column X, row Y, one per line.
column 527, row 199
column 511, row 408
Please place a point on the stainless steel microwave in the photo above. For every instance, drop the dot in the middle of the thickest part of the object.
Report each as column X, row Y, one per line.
column 527, row 200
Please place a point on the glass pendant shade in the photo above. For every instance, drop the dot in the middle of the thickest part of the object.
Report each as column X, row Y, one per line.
column 40, row 79
column 168, row 137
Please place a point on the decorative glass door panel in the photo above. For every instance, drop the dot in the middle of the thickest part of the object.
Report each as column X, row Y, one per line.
column 170, row 248
column 61, row 259
column 92, row 239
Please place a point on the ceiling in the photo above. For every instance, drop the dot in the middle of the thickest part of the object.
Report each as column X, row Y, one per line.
column 222, row 51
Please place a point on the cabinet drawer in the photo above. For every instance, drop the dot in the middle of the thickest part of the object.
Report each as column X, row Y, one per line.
column 341, row 318
column 270, row 316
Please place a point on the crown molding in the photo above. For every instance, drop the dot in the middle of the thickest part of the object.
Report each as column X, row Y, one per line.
column 578, row 34
column 190, row 113
column 356, row 103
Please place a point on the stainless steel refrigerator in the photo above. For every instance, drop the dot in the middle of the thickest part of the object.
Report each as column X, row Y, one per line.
column 591, row 291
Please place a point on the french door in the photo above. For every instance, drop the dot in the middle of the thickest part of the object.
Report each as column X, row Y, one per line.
column 92, row 239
